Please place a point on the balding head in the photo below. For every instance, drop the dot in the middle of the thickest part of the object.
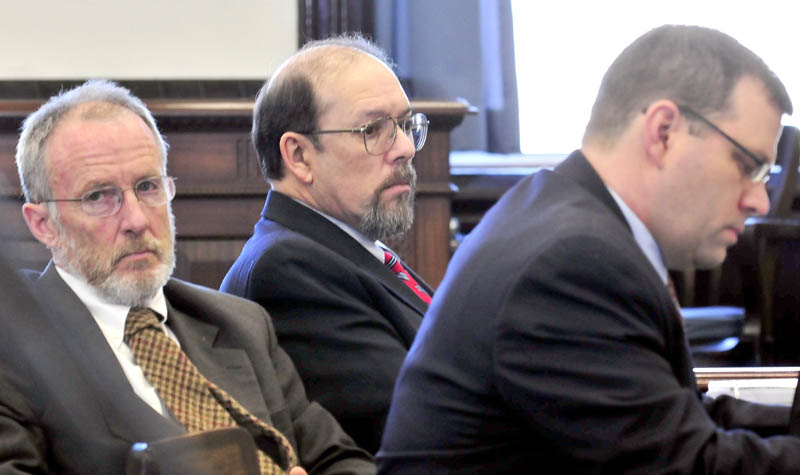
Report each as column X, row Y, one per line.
column 298, row 93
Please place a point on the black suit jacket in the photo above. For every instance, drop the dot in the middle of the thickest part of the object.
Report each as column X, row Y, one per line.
column 345, row 319
column 552, row 342
column 66, row 406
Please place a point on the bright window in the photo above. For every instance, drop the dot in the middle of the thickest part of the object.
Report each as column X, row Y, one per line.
column 564, row 48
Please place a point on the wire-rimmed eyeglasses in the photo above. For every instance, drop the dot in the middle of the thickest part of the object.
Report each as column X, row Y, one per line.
column 379, row 134
column 757, row 171
column 107, row 200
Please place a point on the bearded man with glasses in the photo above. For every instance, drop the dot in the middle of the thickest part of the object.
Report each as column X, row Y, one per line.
column 336, row 136
column 124, row 353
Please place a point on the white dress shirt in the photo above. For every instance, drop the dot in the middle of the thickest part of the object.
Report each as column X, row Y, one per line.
column 643, row 238
column 111, row 320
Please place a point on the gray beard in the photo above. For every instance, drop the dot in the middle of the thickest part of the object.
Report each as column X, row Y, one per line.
column 132, row 290
column 384, row 221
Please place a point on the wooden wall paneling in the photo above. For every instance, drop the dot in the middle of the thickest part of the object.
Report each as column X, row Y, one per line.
column 430, row 235
column 319, row 19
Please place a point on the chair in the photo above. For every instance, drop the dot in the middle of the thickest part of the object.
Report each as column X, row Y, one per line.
column 775, row 245
column 748, row 274
column 226, row 451
column 714, row 329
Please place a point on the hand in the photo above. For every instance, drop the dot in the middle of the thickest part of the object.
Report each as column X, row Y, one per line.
column 298, row 471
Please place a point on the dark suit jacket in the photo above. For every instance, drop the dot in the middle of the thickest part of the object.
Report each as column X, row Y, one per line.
column 345, row 319
column 552, row 342
column 66, row 406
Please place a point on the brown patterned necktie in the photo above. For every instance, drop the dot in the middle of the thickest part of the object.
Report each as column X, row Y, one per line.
column 196, row 402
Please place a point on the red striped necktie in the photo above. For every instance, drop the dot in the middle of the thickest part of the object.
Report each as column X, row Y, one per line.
column 393, row 263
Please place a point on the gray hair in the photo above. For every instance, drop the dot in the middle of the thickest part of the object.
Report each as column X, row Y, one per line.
column 33, row 169
column 353, row 41
column 289, row 100
column 689, row 65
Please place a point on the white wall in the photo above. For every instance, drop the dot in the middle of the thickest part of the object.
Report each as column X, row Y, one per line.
column 145, row 39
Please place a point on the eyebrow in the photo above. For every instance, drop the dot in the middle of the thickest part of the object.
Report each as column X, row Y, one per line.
column 97, row 184
column 94, row 185
column 377, row 114
column 771, row 161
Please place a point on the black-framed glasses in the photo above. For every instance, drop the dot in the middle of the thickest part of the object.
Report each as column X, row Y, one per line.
column 757, row 171
column 379, row 134
column 107, row 200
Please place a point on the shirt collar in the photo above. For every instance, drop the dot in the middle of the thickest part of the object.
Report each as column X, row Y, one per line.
column 110, row 317
column 374, row 247
column 643, row 238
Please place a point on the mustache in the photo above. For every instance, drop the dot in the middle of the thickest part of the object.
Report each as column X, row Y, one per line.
column 141, row 244
column 402, row 175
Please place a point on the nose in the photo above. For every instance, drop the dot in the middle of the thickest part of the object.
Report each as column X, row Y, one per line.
column 132, row 215
column 755, row 200
column 403, row 147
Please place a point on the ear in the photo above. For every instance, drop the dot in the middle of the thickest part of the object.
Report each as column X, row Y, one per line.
column 662, row 119
column 40, row 222
column 296, row 150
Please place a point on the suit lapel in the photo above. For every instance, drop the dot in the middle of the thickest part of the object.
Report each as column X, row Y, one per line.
column 126, row 414
column 578, row 169
column 229, row 368
column 285, row 211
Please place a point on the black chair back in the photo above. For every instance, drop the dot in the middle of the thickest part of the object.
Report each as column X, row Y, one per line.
column 782, row 182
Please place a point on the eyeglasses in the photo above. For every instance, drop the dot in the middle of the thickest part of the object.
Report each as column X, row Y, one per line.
column 106, row 201
column 757, row 171
column 379, row 134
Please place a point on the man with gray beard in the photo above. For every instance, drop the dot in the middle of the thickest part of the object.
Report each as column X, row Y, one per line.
column 335, row 136
column 125, row 353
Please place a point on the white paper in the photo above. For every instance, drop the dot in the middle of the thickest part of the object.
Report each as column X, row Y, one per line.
column 766, row 391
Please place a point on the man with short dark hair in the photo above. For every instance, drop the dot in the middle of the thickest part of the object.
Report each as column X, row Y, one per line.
column 129, row 354
column 335, row 136
column 553, row 340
